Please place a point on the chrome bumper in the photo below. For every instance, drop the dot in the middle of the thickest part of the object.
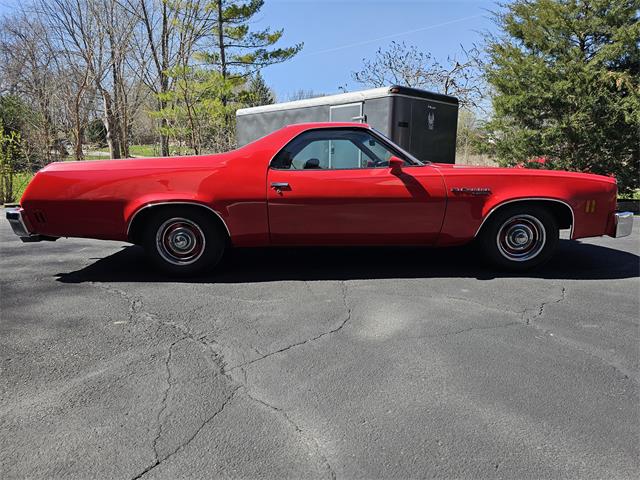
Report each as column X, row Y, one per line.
column 16, row 220
column 624, row 224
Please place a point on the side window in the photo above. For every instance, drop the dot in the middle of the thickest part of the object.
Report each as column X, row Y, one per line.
column 313, row 155
column 380, row 151
column 333, row 149
column 344, row 154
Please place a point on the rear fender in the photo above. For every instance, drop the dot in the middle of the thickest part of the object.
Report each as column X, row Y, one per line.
column 148, row 201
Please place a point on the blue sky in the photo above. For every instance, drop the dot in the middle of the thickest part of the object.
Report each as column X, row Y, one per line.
column 338, row 34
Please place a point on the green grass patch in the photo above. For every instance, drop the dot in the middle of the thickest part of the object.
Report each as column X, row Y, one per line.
column 134, row 150
column 145, row 150
column 89, row 156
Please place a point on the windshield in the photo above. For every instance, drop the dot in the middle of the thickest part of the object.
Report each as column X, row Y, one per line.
column 398, row 147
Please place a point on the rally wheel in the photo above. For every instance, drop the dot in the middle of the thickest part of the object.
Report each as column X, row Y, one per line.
column 183, row 241
column 518, row 238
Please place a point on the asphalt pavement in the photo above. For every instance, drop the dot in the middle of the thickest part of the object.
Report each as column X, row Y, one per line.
column 319, row 363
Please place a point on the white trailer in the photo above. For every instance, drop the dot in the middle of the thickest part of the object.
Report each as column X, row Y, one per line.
column 423, row 123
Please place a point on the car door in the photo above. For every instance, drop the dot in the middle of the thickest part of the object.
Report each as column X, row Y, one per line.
column 334, row 187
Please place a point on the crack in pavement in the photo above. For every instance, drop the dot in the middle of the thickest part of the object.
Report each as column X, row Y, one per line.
column 186, row 443
column 529, row 321
column 308, row 340
column 163, row 403
column 526, row 321
column 540, row 310
column 500, row 308
column 526, row 318
column 135, row 304
column 464, row 330
column 136, row 309
column 626, row 373
column 299, row 431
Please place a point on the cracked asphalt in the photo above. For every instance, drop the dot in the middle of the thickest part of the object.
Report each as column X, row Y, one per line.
column 311, row 363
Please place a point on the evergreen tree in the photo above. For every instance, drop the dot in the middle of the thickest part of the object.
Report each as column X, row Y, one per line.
column 257, row 92
column 565, row 75
column 238, row 51
column 236, row 54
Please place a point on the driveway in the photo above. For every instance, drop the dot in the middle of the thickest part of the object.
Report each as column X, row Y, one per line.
column 337, row 363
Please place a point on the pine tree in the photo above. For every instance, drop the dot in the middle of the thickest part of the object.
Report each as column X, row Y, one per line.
column 565, row 75
column 237, row 53
column 257, row 92
column 237, row 50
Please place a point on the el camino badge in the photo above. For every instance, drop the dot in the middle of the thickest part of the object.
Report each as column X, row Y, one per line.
column 472, row 191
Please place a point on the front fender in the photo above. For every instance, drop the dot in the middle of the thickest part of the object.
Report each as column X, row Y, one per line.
column 591, row 199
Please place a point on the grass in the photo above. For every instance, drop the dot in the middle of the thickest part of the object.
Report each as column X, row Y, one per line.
column 89, row 156
column 144, row 150
column 134, row 150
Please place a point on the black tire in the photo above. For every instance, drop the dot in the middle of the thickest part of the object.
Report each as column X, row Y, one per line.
column 183, row 241
column 518, row 238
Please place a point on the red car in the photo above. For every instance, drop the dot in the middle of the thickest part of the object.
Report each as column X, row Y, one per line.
column 314, row 184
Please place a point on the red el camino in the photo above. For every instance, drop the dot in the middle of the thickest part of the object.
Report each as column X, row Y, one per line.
column 314, row 184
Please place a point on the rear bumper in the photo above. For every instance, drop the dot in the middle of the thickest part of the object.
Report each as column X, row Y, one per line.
column 623, row 224
column 15, row 216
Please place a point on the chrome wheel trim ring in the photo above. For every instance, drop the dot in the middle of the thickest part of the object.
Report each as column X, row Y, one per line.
column 180, row 241
column 521, row 238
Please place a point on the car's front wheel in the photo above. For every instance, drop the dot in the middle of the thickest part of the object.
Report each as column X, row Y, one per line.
column 518, row 238
column 183, row 241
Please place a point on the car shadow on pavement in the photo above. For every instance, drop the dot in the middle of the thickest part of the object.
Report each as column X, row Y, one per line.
column 573, row 260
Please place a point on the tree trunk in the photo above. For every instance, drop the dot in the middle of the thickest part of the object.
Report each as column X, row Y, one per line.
column 221, row 46
column 164, row 139
column 164, row 79
column 77, row 120
column 117, row 107
column 110, row 124
column 124, row 119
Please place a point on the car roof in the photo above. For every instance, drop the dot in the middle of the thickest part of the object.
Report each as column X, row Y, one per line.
column 312, row 125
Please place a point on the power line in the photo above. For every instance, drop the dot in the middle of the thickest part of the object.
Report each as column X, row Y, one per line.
column 393, row 35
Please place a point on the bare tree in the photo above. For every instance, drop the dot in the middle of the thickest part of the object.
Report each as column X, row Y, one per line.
column 401, row 64
column 163, row 39
column 92, row 35
column 184, row 64
column 29, row 72
column 302, row 94
column 78, row 101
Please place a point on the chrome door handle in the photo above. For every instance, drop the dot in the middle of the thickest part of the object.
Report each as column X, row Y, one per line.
column 279, row 185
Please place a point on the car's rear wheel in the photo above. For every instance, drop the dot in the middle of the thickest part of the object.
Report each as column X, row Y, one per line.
column 183, row 241
column 518, row 238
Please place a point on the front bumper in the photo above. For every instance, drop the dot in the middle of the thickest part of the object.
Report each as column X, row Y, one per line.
column 623, row 224
column 15, row 216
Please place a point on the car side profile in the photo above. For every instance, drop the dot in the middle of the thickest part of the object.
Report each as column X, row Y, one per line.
column 315, row 184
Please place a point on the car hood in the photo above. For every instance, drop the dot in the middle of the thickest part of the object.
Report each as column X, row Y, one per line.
column 518, row 171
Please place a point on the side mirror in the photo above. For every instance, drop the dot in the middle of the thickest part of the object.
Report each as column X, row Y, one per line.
column 396, row 164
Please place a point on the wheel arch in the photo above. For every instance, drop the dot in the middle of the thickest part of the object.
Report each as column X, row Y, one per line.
column 562, row 211
column 138, row 218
